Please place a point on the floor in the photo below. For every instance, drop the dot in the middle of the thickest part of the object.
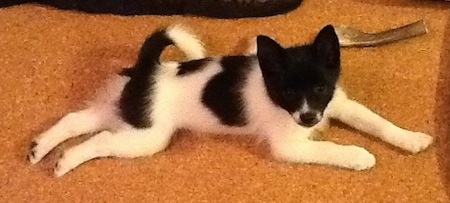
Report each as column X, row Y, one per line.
column 51, row 60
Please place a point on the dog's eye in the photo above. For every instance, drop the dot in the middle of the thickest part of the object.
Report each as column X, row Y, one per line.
column 320, row 89
column 289, row 93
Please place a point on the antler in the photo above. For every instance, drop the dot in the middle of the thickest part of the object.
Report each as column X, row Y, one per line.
column 350, row 36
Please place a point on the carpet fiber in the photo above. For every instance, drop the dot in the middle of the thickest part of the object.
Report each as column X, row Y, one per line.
column 51, row 60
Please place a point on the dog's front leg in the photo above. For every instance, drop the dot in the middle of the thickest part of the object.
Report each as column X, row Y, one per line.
column 293, row 145
column 363, row 119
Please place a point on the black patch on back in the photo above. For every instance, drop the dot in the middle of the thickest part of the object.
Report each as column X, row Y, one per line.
column 222, row 94
column 189, row 67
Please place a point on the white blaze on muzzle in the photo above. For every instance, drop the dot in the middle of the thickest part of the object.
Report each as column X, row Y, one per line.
column 305, row 109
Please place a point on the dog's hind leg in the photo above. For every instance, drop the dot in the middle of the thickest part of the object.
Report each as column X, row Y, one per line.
column 71, row 125
column 126, row 144
column 363, row 119
column 100, row 115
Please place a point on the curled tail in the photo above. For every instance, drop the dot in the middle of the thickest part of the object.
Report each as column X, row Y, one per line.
column 207, row 8
column 154, row 45
column 136, row 99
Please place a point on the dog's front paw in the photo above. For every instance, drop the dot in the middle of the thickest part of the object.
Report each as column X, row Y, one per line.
column 358, row 158
column 415, row 142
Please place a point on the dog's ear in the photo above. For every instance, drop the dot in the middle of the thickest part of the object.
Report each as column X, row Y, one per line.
column 270, row 55
column 326, row 47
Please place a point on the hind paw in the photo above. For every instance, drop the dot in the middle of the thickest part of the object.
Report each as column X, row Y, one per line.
column 34, row 153
column 62, row 167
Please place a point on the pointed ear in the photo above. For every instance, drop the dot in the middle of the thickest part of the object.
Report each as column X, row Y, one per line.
column 326, row 46
column 270, row 55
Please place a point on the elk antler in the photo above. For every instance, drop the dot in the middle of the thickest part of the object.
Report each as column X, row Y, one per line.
column 350, row 36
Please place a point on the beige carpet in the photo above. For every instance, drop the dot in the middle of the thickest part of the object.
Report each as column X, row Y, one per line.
column 51, row 60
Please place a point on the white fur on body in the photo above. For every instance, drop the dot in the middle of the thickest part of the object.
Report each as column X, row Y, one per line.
column 177, row 104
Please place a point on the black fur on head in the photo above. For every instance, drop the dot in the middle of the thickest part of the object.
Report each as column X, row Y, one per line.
column 302, row 73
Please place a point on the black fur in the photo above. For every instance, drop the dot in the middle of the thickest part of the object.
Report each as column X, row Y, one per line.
column 127, row 72
column 222, row 94
column 185, row 68
column 189, row 67
column 135, row 100
column 307, row 72
column 32, row 150
column 291, row 75
column 208, row 8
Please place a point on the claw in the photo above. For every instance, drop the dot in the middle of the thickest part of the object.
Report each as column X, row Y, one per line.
column 58, row 171
column 32, row 151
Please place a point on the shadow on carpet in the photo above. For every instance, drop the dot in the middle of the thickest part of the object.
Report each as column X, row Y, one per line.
column 442, row 111
column 434, row 4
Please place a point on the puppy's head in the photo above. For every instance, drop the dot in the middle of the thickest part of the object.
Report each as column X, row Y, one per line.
column 301, row 79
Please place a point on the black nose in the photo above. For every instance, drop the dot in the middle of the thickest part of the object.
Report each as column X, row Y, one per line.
column 309, row 119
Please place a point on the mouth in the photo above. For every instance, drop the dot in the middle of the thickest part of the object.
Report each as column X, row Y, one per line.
column 308, row 125
column 307, row 119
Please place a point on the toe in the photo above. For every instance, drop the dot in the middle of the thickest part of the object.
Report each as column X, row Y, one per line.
column 32, row 152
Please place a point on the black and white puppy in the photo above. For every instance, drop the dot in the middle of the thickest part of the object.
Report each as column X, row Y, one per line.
column 280, row 94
